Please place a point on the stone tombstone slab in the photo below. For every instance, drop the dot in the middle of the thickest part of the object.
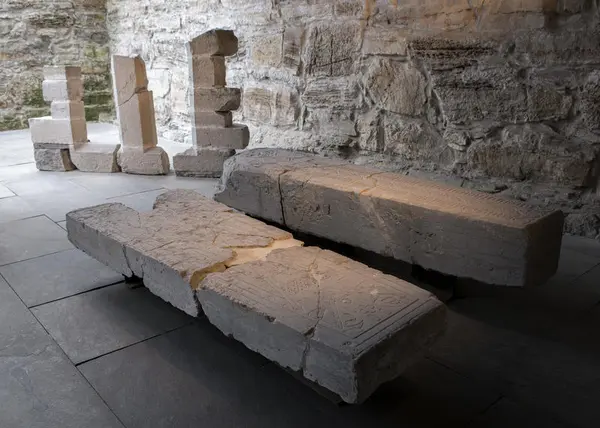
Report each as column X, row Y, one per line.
column 451, row 230
column 344, row 326
column 139, row 153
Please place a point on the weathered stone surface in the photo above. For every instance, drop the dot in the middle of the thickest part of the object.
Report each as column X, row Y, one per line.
column 67, row 110
column 153, row 161
column 95, row 157
column 137, row 121
column 214, row 42
column 213, row 118
column 331, row 48
column 208, row 71
column 217, row 99
column 451, row 230
column 61, row 131
column 267, row 50
column 53, row 159
column 201, row 161
column 397, row 87
column 55, row 72
column 129, row 76
column 343, row 325
column 235, row 137
column 62, row 90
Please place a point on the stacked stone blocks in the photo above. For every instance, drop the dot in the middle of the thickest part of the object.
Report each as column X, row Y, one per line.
column 139, row 152
column 214, row 135
column 60, row 141
column 52, row 136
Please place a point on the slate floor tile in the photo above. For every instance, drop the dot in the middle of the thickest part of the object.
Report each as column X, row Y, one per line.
column 520, row 358
column 204, row 186
column 205, row 379
column 195, row 377
column 56, row 205
column 42, row 183
column 16, row 208
column 118, row 184
column 33, row 237
column 5, row 192
column 510, row 413
column 39, row 387
column 56, row 276
column 101, row 321
column 142, row 202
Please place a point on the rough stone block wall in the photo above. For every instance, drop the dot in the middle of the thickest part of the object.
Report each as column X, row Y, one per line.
column 34, row 33
column 498, row 95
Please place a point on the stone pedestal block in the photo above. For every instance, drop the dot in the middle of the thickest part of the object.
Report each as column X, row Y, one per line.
column 60, row 131
column 217, row 99
column 201, row 162
column 235, row 137
column 53, row 159
column 339, row 323
column 95, row 157
column 153, row 161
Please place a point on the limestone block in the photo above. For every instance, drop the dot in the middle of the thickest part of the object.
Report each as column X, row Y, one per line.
column 235, row 137
column 153, row 161
column 451, row 230
column 201, row 162
column 137, row 121
column 213, row 118
column 208, row 71
column 95, row 157
column 216, row 99
column 62, row 90
column 129, row 77
column 67, row 110
column 214, row 42
column 397, row 87
column 340, row 324
column 57, row 72
column 331, row 48
column 61, row 131
column 53, row 159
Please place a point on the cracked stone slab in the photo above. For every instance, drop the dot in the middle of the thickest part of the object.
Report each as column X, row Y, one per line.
column 451, row 230
column 340, row 324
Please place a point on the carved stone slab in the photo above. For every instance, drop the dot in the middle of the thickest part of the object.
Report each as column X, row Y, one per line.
column 340, row 324
column 451, row 230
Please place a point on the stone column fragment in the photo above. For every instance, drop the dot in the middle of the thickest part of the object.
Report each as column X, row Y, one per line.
column 139, row 152
column 215, row 138
column 54, row 136
column 60, row 141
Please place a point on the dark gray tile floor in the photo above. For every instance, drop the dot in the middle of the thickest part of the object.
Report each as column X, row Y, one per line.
column 91, row 351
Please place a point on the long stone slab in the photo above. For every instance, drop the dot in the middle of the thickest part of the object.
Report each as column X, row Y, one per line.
column 340, row 324
column 451, row 230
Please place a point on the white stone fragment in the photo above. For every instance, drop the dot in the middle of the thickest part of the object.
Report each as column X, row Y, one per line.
column 62, row 90
column 61, row 72
column 67, row 110
column 95, row 157
column 58, row 131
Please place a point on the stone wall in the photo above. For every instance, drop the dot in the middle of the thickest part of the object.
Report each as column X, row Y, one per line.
column 503, row 97
column 34, row 33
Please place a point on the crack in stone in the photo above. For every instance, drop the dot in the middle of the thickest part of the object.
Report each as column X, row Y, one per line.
column 135, row 92
column 281, row 195
column 370, row 177
column 309, row 334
